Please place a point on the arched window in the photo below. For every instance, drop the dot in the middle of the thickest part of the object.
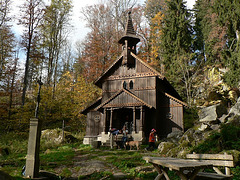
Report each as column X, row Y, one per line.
column 131, row 85
column 124, row 85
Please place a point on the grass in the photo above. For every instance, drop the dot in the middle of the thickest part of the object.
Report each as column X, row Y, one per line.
column 55, row 156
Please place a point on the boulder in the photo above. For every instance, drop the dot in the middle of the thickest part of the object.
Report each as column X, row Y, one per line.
column 55, row 136
column 164, row 147
column 52, row 135
column 236, row 155
column 174, row 136
column 203, row 127
column 182, row 154
column 70, row 138
column 212, row 113
column 187, row 138
column 235, row 110
column 215, row 127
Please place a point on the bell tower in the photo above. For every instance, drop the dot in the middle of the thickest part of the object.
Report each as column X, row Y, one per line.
column 129, row 41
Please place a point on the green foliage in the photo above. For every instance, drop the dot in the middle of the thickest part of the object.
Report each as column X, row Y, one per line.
column 190, row 116
column 128, row 160
column 230, row 137
column 227, row 139
column 211, row 145
column 16, row 143
column 236, row 172
column 62, row 156
column 232, row 76
column 65, row 173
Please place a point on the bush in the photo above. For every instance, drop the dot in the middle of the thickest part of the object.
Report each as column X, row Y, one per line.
column 228, row 138
column 190, row 115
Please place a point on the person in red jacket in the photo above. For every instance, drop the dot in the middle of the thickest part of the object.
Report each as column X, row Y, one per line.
column 151, row 140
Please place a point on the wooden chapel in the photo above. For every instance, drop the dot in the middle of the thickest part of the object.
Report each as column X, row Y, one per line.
column 133, row 94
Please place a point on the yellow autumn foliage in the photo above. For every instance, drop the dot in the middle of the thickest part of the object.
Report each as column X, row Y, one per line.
column 156, row 33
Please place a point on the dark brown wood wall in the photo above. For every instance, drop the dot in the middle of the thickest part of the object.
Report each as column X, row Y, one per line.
column 176, row 110
column 143, row 87
column 93, row 127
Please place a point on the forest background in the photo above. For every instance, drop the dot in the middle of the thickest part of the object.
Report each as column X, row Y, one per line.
column 180, row 43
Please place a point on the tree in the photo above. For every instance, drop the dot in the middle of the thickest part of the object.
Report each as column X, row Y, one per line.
column 153, row 7
column 99, row 46
column 30, row 19
column 176, row 46
column 5, row 35
column 72, row 95
column 106, row 23
column 54, row 31
column 228, row 15
column 4, row 11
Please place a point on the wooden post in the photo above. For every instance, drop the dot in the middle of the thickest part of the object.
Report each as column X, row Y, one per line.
column 111, row 118
column 111, row 141
column 104, row 120
column 134, row 119
column 227, row 169
column 141, row 118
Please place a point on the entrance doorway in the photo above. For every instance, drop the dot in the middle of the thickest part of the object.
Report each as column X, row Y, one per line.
column 123, row 116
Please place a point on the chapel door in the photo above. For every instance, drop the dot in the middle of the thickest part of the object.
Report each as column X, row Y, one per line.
column 123, row 116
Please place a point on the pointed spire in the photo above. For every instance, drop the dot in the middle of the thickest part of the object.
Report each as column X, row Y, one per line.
column 130, row 34
column 129, row 26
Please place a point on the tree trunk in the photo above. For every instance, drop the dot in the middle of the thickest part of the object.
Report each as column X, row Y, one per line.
column 25, row 83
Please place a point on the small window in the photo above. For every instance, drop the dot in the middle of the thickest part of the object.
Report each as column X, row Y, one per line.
column 124, row 85
column 131, row 85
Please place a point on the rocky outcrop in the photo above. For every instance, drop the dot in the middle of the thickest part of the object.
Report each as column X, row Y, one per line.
column 174, row 136
column 164, row 147
column 234, row 111
column 55, row 136
column 212, row 114
column 178, row 144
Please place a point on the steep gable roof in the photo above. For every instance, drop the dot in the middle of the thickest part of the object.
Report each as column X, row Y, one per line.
column 160, row 76
column 176, row 100
column 99, row 81
column 129, row 33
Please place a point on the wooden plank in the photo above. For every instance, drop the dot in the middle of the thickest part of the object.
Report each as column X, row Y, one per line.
column 210, row 156
column 216, row 162
column 206, row 175
column 177, row 164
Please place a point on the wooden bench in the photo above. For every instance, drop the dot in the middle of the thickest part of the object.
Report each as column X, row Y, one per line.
column 217, row 160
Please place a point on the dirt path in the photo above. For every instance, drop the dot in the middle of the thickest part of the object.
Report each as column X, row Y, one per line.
column 90, row 163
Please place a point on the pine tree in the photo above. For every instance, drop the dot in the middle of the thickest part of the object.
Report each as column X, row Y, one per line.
column 176, row 46
column 228, row 13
